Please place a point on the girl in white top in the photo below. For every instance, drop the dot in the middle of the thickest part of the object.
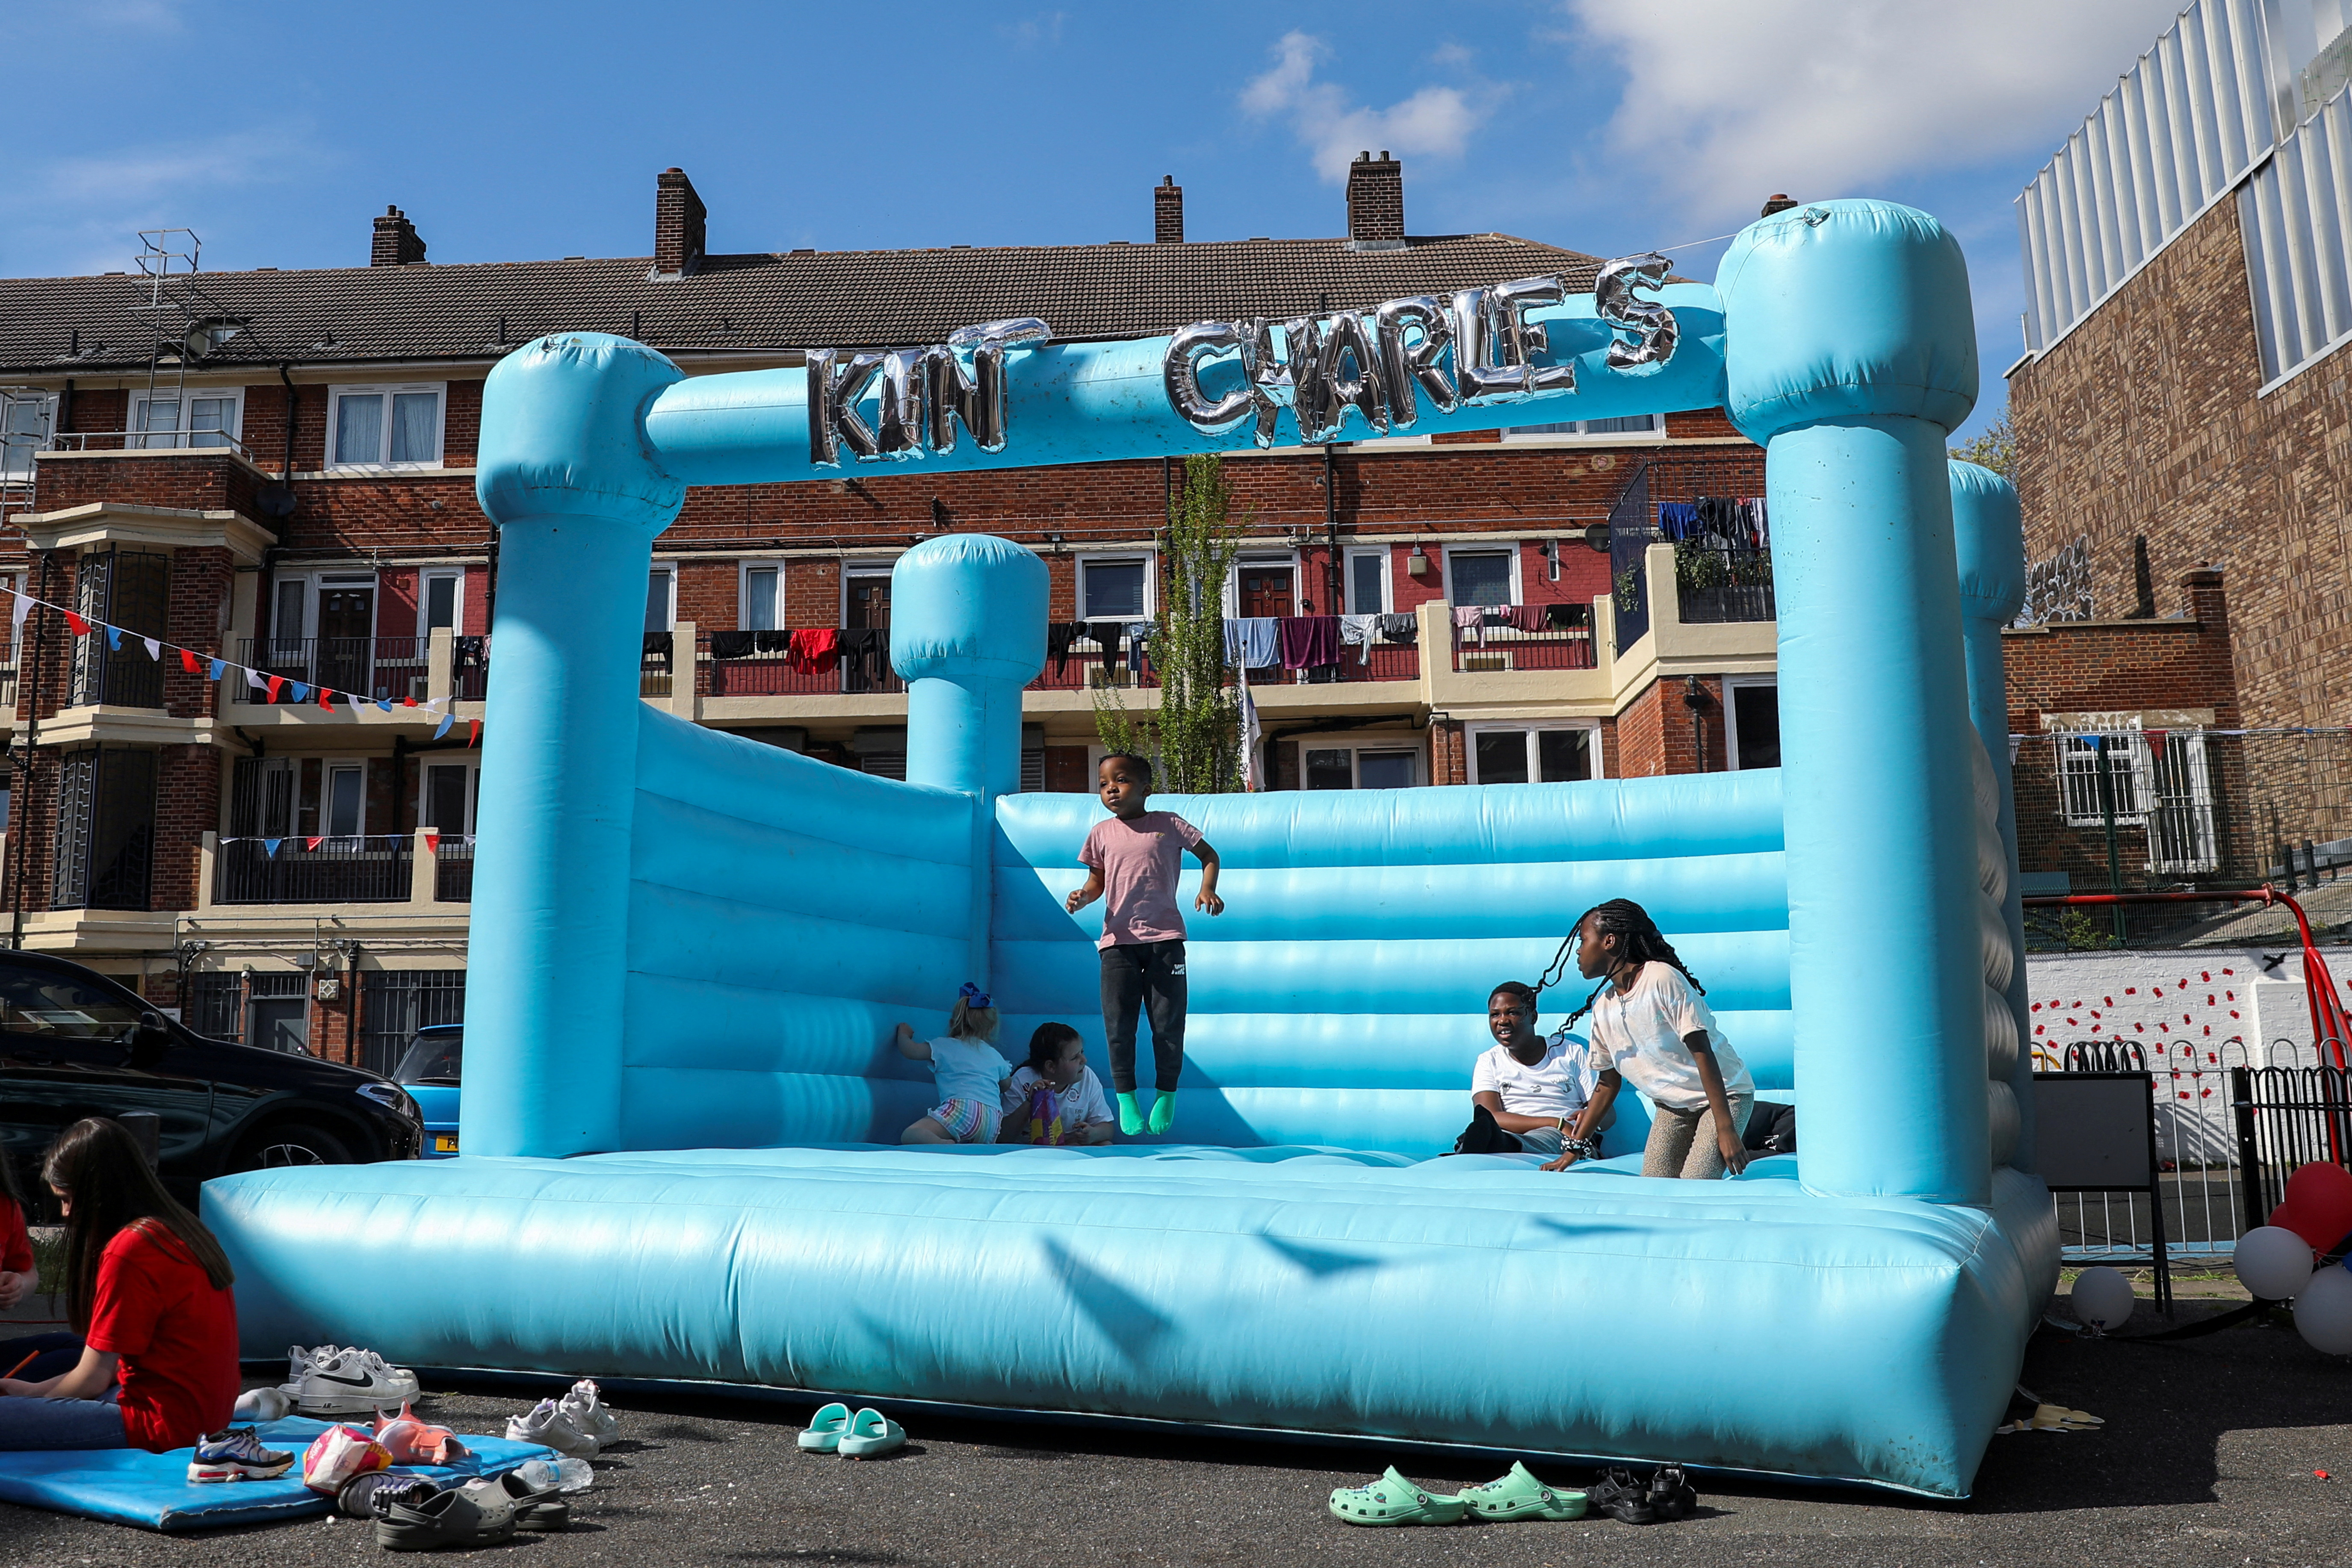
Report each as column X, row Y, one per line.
column 970, row 1072
column 1650, row 1025
column 1054, row 1097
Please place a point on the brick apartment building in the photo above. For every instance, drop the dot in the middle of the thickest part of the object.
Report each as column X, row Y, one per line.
column 2181, row 410
column 275, row 468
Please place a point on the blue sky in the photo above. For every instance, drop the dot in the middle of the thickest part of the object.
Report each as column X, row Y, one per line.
column 512, row 132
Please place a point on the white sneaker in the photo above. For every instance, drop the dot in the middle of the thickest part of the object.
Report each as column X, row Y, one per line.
column 263, row 1405
column 588, row 1412
column 350, row 1383
column 551, row 1425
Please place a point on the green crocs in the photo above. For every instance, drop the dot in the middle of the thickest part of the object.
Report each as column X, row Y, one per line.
column 872, row 1435
column 825, row 1429
column 1520, row 1496
column 1393, row 1500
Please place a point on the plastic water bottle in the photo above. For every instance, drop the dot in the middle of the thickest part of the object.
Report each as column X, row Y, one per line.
column 566, row 1475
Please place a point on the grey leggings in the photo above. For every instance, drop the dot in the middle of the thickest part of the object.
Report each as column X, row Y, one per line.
column 1682, row 1142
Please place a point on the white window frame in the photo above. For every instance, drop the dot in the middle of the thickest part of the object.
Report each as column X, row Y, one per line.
column 1387, row 558
column 472, row 768
column 743, row 570
column 1580, row 435
column 425, row 575
column 16, row 447
column 312, row 584
column 1290, row 558
column 138, row 439
column 2076, row 767
column 1355, row 746
column 1510, row 548
column 668, row 571
column 1732, row 683
column 328, row 767
column 1150, row 563
column 387, row 390
column 850, row 568
column 1531, row 728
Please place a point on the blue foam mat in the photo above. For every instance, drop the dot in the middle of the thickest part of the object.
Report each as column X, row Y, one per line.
column 131, row 1486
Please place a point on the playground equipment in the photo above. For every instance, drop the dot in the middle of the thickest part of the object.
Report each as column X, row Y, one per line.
column 689, row 951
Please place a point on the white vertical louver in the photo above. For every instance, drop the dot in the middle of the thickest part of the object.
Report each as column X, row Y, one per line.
column 2294, row 214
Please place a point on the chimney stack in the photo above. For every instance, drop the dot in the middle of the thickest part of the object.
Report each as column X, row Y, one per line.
column 1375, row 203
column 679, row 216
column 1167, row 212
column 396, row 244
column 1777, row 202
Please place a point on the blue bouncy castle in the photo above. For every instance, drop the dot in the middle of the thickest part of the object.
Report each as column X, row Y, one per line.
column 688, row 949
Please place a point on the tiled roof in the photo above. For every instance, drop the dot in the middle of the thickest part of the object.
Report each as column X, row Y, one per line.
column 63, row 326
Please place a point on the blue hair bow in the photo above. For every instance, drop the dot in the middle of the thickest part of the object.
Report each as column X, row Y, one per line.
column 974, row 995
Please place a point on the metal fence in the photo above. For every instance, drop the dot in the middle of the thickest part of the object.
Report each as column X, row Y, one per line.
column 370, row 869
column 453, row 871
column 396, row 1003
column 391, row 669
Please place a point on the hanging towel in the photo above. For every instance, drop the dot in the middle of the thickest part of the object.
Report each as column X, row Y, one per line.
column 1359, row 631
column 1310, row 642
column 1528, row 617
column 1401, row 628
column 864, row 655
column 1139, row 637
column 1677, row 519
column 729, row 645
column 815, row 649
column 1467, row 617
column 1253, row 642
column 1059, row 635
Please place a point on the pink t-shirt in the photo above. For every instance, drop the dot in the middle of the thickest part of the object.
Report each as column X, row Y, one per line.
column 1138, row 860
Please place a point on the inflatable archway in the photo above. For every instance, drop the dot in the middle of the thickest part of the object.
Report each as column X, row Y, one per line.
column 687, row 949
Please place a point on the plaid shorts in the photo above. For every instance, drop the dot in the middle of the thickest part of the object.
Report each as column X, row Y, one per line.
column 968, row 1121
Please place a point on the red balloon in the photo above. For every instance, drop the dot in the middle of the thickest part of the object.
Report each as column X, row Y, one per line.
column 2318, row 1206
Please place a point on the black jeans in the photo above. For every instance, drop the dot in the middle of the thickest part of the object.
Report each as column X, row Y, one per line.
column 1149, row 975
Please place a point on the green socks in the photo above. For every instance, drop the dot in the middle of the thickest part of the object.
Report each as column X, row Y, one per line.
column 1163, row 1114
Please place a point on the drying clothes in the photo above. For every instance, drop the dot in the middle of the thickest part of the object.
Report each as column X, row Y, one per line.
column 771, row 642
column 1360, row 631
column 1106, row 635
column 1310, row 642
column 1563, row 616
column 1754, row 519
column 1400, row 628
column 1677, row 519
column 865, row 654
column 731, row 645
column 657, row 646
column 815, row 649
column 1468, row 618
column 472, row 653
column 1527, row 617
column 1139, row 640
column 1059, row 635
column 1253, row 642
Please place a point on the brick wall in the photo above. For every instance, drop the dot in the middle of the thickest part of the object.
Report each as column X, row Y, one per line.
column 1654, row 733
column 2144, row 421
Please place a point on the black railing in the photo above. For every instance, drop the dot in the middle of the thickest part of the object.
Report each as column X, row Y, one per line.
column 452, row 872
column 2288, row 1117
column 469, row 669
column 390, row 668
column 1717, row 586
column 374, row 869
column 1632, row 530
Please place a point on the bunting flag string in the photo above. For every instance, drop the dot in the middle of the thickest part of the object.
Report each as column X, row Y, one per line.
column 195, row 661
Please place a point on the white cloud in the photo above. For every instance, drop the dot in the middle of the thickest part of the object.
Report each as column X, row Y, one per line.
column 1434, row 123
column 1726, row 102
column 1042, row 30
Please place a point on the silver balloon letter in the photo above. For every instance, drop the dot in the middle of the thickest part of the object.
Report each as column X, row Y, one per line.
column 1406, row 367
column 1310, row 398
column 977, row 399
column 1523, row 339
column 1272, row 387
column 832, row 394
column 1349, row 339
column 899, row 428
column 1180, row 374
column 1616, row 303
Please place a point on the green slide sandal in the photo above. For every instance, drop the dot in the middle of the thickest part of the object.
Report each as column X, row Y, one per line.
column 871, row 1435
column 1520, row 1496
column 1393, row 1500
column 825, row 1429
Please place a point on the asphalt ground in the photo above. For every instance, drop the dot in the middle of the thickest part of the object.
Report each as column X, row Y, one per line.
column 2207, row 1459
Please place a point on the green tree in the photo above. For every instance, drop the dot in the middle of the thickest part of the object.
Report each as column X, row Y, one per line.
column 1194, row 743
column 1994, row 448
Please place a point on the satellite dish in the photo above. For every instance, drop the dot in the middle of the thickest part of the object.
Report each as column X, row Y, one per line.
column 1596, row 538
column 274, row 500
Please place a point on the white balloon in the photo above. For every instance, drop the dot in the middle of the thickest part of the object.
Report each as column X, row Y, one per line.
column 2102, row 1298
column 2273, row 1262
column 2323, row 1313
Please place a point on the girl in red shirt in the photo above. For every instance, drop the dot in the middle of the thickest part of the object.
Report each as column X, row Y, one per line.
column 148, row 1288
column 34, row 1357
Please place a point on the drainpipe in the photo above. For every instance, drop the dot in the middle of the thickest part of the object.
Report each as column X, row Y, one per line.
column 1331, row 582
column 293, row 400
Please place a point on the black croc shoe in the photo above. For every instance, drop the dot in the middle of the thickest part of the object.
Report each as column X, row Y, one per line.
column 1621, row 1498
column 444, row 1519
column 1671, row 1494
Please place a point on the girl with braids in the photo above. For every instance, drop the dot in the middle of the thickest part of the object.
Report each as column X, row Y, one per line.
column 1650, row 1025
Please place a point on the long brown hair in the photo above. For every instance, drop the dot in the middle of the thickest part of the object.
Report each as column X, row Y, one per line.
column 98, row 1166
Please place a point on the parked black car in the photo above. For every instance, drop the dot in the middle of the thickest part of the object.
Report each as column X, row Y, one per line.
column 74, row 1043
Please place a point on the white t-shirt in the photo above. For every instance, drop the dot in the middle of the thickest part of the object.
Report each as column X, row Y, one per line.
column 1640, row 1034
column 1557, row 1086
column 968, row 1069
column 1082, row 1103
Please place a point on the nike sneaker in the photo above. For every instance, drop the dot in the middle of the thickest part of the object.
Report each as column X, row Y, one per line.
column 587, row 1410
column 237, row 1455
column 351, row 1382
column 550, row 1426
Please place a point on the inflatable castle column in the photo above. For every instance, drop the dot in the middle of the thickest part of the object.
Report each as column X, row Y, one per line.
column 967, row 634
column 1990, row 536
column 1851, row 353
column 565, row 476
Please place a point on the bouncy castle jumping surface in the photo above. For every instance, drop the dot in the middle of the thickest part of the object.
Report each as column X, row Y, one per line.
column 688, row 950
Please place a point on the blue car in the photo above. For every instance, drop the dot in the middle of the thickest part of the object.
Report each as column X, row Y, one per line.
column 430, row 1070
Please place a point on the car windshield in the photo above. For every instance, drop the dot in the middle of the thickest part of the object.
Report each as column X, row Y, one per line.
column 38, row 1004
column 435, row 1058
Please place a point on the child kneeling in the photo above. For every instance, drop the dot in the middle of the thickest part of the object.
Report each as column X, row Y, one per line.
column 969, row 1070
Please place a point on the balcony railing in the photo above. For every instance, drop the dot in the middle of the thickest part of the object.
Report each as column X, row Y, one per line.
column 1718, row 586
column 762, row 664
column 370, row 869
column 148, row 441
column 389, row 668
column 1560, row 639
column 453, row 871
column 1084, row 670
